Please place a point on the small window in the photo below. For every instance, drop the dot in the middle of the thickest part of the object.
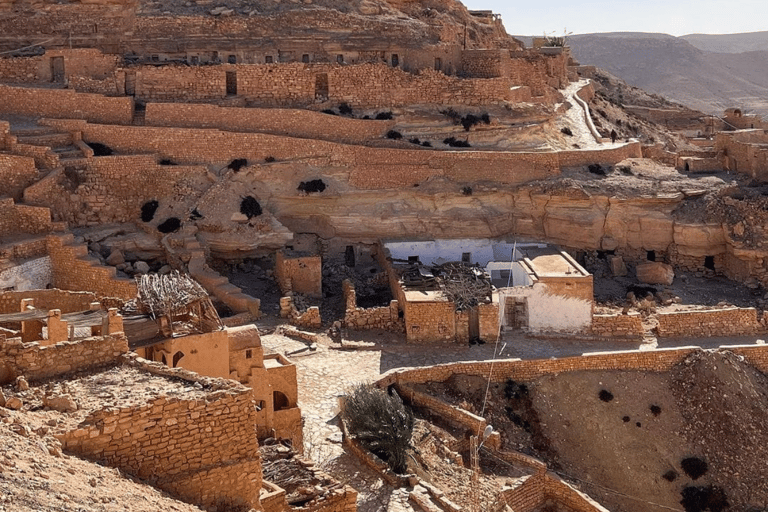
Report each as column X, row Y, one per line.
column 305, row 58
column 466, row 257
column 438, row 63
column 232, row 59
column 248, row 354
column 650, row 255
column 395, row 60
column 268, row 59
column 340, row 59
column 155, row 58
column 215, row 56
column 709, row 262
column 177, row 357
column 195, row 60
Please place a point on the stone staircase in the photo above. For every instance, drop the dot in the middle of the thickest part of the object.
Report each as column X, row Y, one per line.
column 216, row 284
column 69, row 152
column 431, row 499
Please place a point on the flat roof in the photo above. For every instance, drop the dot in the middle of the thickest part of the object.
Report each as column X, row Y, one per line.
column 553, row 263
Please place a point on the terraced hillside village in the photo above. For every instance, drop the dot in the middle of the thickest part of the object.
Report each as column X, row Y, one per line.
column 219, row 219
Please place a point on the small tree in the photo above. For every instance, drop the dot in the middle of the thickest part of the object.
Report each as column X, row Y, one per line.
column 381, row 423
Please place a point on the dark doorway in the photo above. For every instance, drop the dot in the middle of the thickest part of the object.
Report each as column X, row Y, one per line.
column 268, row 59
column 395, row 60
column 305, row 58
column 232, row 59
column 349, row 256
column 231, row 83
column 709, row 262
column 466, row 257
column 130, row 83
column 340, row 59
column 438, row 64
column 474, row 324
column 650, row 255
column 516, row 311
column 177, row 357
column 321, row 86
column 57, row 69
column 280, row 401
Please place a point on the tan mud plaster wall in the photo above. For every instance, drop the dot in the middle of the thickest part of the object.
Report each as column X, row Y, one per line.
column 65, row 103
column 36, row 362
column 301, row 274
column 293, row 122
column 427, row 322
column 203, row 451
column 711, row 323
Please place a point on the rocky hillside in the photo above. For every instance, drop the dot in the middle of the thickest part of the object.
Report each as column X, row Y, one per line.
column 674, row 68
column 729, row 43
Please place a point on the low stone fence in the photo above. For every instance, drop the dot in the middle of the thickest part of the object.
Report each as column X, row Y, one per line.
column 543, row 488
column 309, row 318
column 618, row 326
column 709, row 323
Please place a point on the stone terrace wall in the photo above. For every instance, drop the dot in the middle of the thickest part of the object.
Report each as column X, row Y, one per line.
column 293, row 122
column 373, row 168
column 379, row 85
column 37, row 363
column 202, row 451
column 73, row 269
column 526, row 370
column 66, row 301
column 18, row 219
column 16, row 174
column 710, row 323
column 609, row 156
column 65, row 103
column 20, row 69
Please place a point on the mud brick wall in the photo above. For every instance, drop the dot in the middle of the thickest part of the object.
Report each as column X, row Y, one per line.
column 16, row 174
column 65, row 103
column 23, row 219
column 24, row 249
column 37, row 363
column 66, row 301
column 711, row 323
column 277, row 121
column 73, row 269
column 618, row 326
column 488, row 317
column 202, row 451
column 385, row 317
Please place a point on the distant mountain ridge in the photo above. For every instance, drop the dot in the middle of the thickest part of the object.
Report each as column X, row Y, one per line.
column 729, row 43
column 677, row 69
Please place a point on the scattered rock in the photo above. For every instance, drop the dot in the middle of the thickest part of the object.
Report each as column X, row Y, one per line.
column 165, row 269
column 141, row 267
column 116, row 257
column 654, row 272
column 63, row 403
column 13, row 403
column 21, row 384
column 618, row 267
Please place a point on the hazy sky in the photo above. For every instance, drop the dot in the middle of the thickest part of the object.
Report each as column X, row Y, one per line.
column 676, row 17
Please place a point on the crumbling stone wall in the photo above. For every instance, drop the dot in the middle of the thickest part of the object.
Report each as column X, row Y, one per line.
column 202, row 451
column 65, row 103
column 385, row 317
column 73, row 269
column 709, row 323
column 545, row 489
column 301, row 274
column 30, row 274
column 427, row 322
column 36, row 362
column 298, row 123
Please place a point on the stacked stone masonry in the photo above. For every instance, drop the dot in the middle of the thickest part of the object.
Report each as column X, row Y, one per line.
column 618, row 326
column 36, row 362
column 385, row 317
column 17, row 219
column 16, row 174
column 710, row 323
column 65, row 103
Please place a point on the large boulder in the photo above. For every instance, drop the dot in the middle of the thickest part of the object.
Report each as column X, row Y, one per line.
column 654, row 272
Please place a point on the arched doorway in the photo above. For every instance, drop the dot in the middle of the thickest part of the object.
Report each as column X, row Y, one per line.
column 280, row 401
